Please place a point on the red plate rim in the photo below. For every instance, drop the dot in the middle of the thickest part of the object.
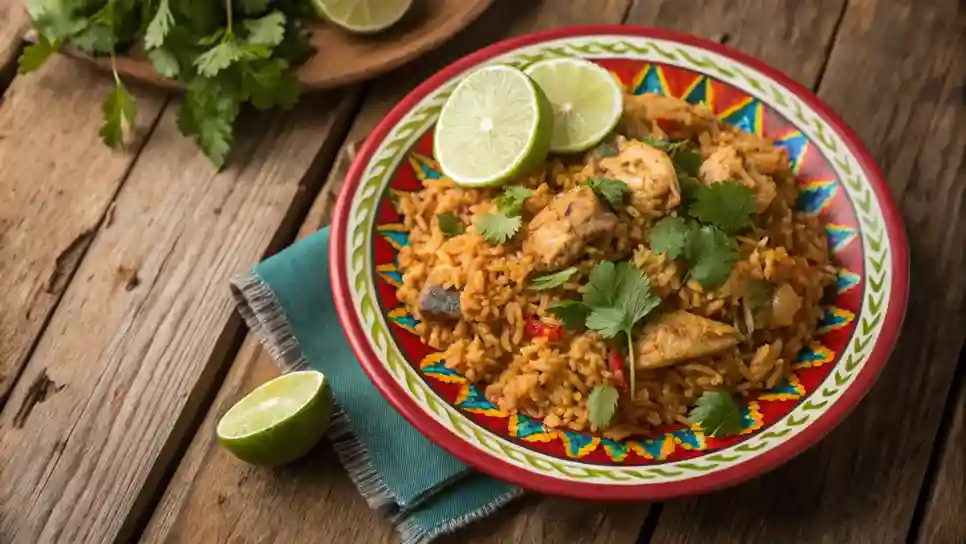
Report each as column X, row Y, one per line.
column 500, row 468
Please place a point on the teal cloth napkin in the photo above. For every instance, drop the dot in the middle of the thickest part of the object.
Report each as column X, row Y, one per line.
column 287, row 301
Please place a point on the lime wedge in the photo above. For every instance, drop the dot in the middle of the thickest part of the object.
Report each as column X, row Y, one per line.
column 363, row 16
column 495, row 125
column 279, row 421
column 587, row 101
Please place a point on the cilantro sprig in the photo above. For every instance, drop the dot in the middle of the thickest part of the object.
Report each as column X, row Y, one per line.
column 225, row 55
column 500, row 226
column 602, row 405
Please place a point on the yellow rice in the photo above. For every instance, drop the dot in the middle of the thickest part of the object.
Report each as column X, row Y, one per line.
column 551, row 381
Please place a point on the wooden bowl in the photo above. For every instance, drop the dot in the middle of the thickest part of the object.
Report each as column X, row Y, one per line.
column 341, row 57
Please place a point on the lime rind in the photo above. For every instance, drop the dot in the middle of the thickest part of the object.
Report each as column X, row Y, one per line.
column 344, row 13
column 587, row 101
column 457, row 146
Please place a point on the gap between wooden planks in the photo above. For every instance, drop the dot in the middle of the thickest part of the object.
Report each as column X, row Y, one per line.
column 896, row 74
column 215, row 498
column 147, row 322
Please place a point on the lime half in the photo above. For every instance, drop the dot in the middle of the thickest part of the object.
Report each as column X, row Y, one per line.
column 587, row 101
column 363, row 16
column 279, row 421
column 495, row 125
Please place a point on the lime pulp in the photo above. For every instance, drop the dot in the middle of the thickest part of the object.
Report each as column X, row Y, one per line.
column 362, row 16
column 495, row 125
column 587, row 101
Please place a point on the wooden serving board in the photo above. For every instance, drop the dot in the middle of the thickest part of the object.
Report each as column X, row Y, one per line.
column 341, row 57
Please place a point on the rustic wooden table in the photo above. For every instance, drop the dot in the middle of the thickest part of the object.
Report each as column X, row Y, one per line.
column 119, row 347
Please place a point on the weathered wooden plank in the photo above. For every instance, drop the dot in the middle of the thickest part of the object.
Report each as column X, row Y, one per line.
column 310, row 498
column 57, row 181
column 278, row 509
column 944, row 517
column 13, row 23
column 148, row 322
column 896, row 74
column 792, row 36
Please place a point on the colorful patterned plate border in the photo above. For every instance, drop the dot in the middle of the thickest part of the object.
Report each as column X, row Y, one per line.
column 880, row 273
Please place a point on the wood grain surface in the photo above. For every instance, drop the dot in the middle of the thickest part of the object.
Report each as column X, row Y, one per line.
column 207, row 474
column 791, row 36
column 13, row 23
column 343, row 58
column 143, row 330
column 944, row 505
column 119, row 349
column 57, row 181
column 896, row 75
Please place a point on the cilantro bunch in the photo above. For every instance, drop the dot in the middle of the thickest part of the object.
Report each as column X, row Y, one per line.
column 225, row 53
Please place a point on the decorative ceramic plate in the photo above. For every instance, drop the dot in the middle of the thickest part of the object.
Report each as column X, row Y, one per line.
column 838, row 181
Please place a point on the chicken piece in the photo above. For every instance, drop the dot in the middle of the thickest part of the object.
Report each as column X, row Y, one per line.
column 726, row 164
column 437, row 303
column 648, row 173
column 679, row 336
column 560, row 231
column 655, row 115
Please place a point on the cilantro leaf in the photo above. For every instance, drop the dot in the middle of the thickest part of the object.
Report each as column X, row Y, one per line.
column 449, row 224
column 690, row 187
column 497, row 227
column 118, row 107
column 608, row 321
column 602, row 405
column 34, row 55
column 268, row 30
column 717, row 414
column 549, row 281
column 159, row 27
column 572, row 313
column 253, row 7
column 208, row 115
column 164, row 61
column 268, row 83
column 512, row 200
column 711, row 254
column 96, row 39
column 727, row 205
column 669, row 236
column 687, row 160
column 217, row 58
column 600, row 285
column 614, row 191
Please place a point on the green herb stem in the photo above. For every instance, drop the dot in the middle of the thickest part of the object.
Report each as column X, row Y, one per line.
column 630, row 358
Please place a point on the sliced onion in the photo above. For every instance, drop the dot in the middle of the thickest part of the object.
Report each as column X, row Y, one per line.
column 785, row 303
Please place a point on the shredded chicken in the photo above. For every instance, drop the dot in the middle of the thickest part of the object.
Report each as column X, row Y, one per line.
column 672, row 118
column 648, row 173
column 680, row 335
column 726, row 164
column 560, row 231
